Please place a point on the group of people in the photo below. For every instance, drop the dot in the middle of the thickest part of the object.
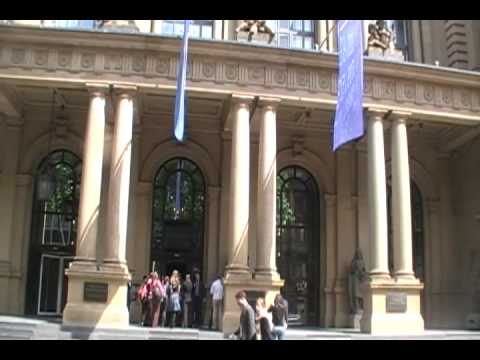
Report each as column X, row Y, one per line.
column 172, row 301
column 271, row 323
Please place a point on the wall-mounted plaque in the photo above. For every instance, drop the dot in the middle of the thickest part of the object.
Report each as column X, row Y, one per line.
column 95, row 292
column 396, row 302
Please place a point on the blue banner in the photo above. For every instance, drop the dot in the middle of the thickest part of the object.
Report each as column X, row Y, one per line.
column 349, row 124
column 180, row 108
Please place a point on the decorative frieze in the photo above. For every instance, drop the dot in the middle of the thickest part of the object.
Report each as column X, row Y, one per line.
column 158, row 65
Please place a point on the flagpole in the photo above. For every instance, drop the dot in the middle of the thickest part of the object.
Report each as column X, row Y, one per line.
column 326, row 37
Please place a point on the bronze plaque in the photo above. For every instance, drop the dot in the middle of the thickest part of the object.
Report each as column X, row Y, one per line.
column 95, row 292
column 396, row 303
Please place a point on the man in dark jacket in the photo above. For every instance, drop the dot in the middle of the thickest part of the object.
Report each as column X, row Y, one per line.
column 247, row 329
column 197, row 298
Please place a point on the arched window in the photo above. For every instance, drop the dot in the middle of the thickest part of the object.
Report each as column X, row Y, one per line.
column 56, row 212
column 178, row 215
column 299, row 34
column 53, row 235
column 298, row 241
column 202, row 29
column 418, row 247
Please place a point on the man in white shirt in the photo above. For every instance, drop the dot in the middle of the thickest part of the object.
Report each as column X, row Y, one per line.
column 216, row 291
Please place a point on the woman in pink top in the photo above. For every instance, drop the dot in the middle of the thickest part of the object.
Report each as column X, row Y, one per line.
column 157, row 293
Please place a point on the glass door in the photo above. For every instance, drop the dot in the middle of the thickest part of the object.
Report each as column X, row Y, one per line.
column 52, row 285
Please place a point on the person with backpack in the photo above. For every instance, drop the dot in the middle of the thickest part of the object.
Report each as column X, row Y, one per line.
column 157, row 293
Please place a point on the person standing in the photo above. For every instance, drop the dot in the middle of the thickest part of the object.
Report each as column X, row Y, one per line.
column 197, row 298
column 264, row 320
column 164, row 304
column 279, row 311
column 173, row 303
column 142, row 295
column 247, row 329
column 157, row 294
column 216, row 291
column 187, row 301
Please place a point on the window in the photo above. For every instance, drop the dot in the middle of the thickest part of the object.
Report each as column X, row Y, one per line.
column 202, row 29
column 297, row 34
column 70, row 24
column 298, row 241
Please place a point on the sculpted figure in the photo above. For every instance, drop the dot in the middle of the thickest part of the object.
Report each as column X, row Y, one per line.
column 356, row 276
column 255, row 26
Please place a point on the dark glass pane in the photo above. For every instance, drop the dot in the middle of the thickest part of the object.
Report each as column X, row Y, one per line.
column 49, row 285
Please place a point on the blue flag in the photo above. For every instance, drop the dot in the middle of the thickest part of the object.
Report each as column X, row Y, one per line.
column 180, row 108
column 349, row 124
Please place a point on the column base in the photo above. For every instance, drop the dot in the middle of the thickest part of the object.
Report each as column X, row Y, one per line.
column 254, row 288
column 266, row 275
column 97, row 296
column 392, row 307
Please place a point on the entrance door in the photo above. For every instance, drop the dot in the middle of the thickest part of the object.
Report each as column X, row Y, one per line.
column 178, row 218
column 53, row 232
column 298, row 252
column 53, row 286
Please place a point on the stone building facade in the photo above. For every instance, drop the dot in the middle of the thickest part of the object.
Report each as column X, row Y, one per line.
column 93, row 106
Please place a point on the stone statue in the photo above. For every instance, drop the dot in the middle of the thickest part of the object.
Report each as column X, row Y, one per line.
column 254, row 27
column 379, row 35
column 356, row 276
column 125, row 25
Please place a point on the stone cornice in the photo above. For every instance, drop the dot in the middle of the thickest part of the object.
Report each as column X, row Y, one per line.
column 150, row 62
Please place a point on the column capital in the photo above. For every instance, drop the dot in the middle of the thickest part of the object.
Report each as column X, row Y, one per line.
column 239, row 100
column 125, row 91
column 399, row 116
column 97, row 89
column 270, row 103
column 376, row 113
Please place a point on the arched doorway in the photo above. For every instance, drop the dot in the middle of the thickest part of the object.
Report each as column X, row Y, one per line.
column 53, row 232
column 298, row 245
column 418, row 234
column 178, row 213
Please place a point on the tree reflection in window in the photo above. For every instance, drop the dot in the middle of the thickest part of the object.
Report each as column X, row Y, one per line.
column 297, row 240
column 57, row 216
column 179, row 197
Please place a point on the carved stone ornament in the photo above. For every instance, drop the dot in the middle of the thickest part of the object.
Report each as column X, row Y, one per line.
column 380, row 42
column 254, row 27
column 118, row 25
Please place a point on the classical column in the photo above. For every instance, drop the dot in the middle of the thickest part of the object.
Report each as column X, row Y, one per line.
column 239, row 187
column 119, row 187
column 91, row 182
column 267, row 192
column 377, row 196
column 401, row 207
column 389, row 306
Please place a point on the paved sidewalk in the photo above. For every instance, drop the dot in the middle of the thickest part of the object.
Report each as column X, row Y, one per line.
column 16, row 327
